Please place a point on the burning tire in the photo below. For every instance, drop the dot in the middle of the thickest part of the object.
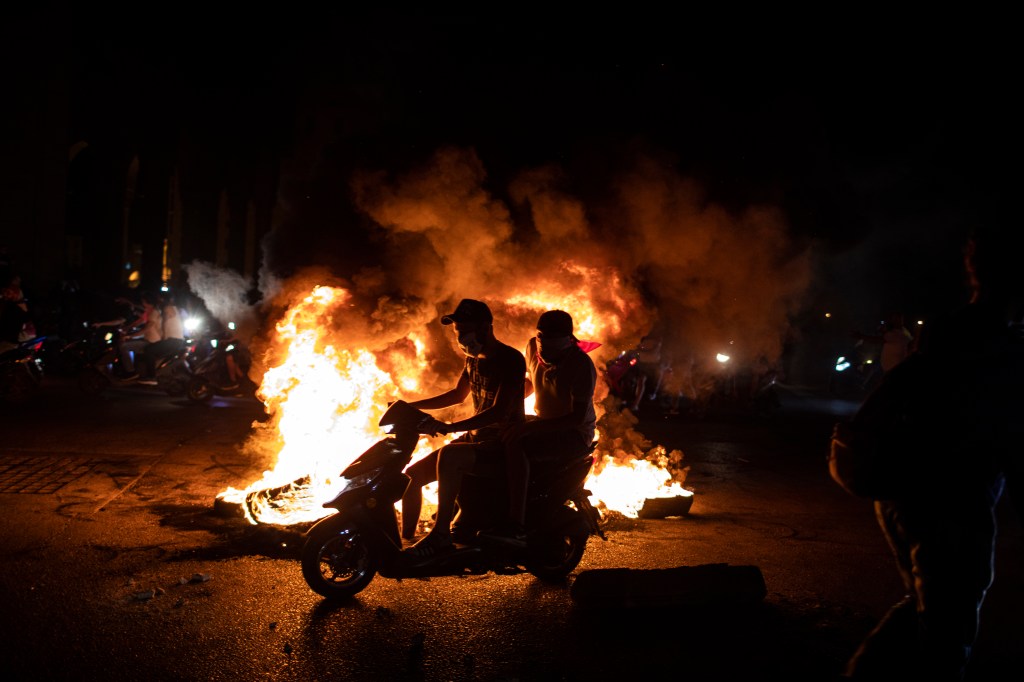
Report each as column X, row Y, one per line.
column 337, row 560
column 556, row 552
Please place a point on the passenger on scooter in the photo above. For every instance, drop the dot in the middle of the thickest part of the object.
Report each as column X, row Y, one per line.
column 563, row 378
column 172, row 332
column 132, row 347
column 14, row 315
column 493, row 375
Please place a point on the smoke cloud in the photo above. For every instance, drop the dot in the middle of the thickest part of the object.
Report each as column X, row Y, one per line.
column 648, row 254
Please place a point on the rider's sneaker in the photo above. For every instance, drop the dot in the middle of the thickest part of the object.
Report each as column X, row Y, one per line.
column 462, row 535
column 512, row 535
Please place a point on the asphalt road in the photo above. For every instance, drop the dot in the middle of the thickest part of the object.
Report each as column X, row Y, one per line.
column 116, row 567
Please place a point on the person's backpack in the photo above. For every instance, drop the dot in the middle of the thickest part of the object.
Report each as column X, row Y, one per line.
column 880, row 452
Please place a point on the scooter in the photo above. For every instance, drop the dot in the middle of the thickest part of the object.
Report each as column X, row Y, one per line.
column 208, row 366
column 855, row 373
column 343, row 552
column 623, row 375
column 21, row 371
column 102, row 366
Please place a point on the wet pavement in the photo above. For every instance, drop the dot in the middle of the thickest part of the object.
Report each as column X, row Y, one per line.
column 124, row 572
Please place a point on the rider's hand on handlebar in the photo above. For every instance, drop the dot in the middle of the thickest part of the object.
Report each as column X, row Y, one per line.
column 433, row 427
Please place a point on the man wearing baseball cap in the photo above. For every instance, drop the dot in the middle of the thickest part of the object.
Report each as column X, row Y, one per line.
column 563, row 378
column 494, row 375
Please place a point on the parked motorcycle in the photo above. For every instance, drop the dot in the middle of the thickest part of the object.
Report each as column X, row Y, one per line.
column 21, row 371
column 343, row 552
column 622, row 374
column 209, row 368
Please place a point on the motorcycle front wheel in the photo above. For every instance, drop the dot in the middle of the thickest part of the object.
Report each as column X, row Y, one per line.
column 554, row 553
column 337, row 560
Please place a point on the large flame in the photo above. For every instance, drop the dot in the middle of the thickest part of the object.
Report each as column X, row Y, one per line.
column 326, row 400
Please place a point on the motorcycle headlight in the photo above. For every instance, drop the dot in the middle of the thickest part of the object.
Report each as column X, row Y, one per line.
column 357, row 481
column 192, row 324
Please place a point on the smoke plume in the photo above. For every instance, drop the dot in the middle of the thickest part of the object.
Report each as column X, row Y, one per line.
column 648, row 254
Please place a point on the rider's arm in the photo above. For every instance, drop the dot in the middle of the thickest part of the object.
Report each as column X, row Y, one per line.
column 109, row 323
column 528, row 385
column 508, row 398
column 446, row 399
column 492, row 415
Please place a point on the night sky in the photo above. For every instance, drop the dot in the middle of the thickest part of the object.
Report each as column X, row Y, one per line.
column 881, row 138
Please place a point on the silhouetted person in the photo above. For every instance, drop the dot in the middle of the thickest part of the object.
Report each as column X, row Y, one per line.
column 140, row 333
column 494, row 374
column 943, row 531
column 563, row 378
column 172, row 332
column 14, row 314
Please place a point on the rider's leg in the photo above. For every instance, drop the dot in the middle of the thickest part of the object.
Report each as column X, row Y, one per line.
column 421, row 473
column 518, row 468
column 454, row 460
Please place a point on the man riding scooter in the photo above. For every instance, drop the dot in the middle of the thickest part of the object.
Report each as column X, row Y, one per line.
column 493, row 374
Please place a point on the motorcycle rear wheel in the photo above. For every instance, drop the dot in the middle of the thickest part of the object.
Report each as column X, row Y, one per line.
column 173, row 378
column 199, row 390
column 555, row 553
column 337, row 560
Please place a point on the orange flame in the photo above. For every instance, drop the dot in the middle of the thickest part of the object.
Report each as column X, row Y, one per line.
column 326, row 400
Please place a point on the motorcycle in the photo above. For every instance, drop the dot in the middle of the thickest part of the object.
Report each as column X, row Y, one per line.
column 343, row 552
column 209, row 373
column 99, row 353
column 21, row 371
column 622, row 374
column 855, row 373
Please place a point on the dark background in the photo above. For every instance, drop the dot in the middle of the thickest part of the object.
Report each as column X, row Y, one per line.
column 881, row 137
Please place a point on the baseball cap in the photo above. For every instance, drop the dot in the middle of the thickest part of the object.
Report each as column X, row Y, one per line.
column 555, row 323
column 469, row 311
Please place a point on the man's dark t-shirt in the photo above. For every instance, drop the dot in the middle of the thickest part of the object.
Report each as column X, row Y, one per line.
column 504, row 367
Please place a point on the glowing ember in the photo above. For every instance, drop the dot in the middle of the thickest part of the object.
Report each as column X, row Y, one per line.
column 326, row 399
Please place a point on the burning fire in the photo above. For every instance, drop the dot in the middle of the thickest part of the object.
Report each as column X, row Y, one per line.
column 326, row 399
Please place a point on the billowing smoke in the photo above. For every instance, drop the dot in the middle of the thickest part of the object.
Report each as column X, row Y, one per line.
column 650, row 255
column 225, row 293
column 651, row 252
column 718, row 282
